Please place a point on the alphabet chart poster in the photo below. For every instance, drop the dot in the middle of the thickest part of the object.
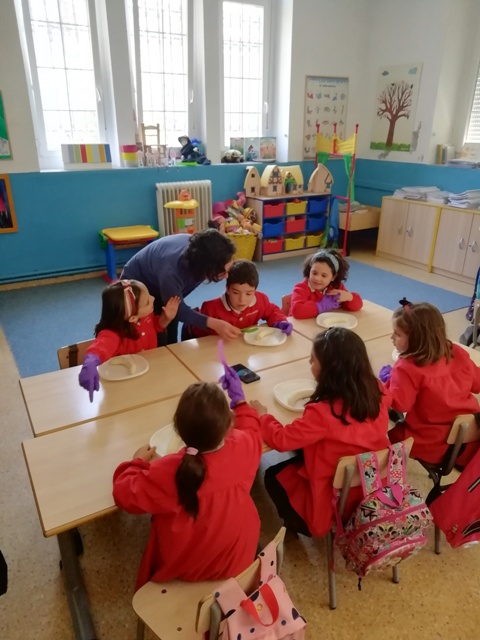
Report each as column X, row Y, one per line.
column 325, row 104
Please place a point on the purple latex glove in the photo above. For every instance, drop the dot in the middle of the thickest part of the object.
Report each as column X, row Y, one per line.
column 328, row 303
column 233, row 386
column 385, row 373
column 285, row 326
column 88, row 376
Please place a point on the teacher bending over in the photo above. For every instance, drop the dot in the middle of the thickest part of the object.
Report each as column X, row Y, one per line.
column 175, row 266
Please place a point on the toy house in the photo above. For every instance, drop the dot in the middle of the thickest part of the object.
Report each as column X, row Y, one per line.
column 321, row 180
column 271, row 182
column 251, row 186
column 292, row 178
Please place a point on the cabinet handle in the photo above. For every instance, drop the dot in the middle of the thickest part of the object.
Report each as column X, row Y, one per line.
column 461, row 244
column 473, row 246
column 409, row 231
column 400, row 229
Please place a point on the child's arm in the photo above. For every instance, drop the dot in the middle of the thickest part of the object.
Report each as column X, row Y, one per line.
column 349, row 300
column 268, row 310
column 247, row 420
column 169, row 311
column 308, row 429
column 303, row 304
column 137, row 485
column 403, row 388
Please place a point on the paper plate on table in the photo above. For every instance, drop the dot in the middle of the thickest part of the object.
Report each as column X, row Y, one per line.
column 166, row 440
column 395, row 355
column 331, row 319
column 293, row 394
column 265, row 337
column 123, row 367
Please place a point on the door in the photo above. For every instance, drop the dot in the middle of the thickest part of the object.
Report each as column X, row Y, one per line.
column 392, row 226
column 472, row 259
column 419, row 232
column 452, row 240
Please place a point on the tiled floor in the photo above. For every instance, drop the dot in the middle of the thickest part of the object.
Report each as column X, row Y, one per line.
column 437, row 598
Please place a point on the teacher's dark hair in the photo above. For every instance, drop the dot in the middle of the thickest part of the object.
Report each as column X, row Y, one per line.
column 207, row 253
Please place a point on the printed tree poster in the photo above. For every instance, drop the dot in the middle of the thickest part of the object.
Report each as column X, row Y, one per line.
column 396, row 102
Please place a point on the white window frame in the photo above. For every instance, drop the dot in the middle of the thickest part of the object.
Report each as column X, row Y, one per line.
column 52, row 159
column 474, row 112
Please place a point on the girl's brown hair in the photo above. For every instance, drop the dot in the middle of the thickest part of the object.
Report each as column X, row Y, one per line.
column 346, row 375
column 202, row 420
column 114, row 312
column 427, row 335
column 325, row 255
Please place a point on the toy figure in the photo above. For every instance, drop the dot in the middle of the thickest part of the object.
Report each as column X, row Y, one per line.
column 190, row 152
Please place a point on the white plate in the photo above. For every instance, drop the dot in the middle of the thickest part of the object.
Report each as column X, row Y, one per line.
column 123, row 367
column 331, row 319
column 265, row 337
column 395, row 355
column 285, row 391
column 166, row 440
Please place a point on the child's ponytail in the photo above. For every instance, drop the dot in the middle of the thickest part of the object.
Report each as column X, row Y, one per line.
column 189, row 478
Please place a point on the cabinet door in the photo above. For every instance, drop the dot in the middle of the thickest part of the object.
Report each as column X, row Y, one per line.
column 419, row 231
column 472, row 259
column 392, row 227
column 452, row 240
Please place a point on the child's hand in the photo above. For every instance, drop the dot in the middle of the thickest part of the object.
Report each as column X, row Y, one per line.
column 145, row 453
column 232, row 385
column 260, row 408
column 385, row 373
column 285, row 326
column 328, row 303
column 341, row 295
column 171, row 308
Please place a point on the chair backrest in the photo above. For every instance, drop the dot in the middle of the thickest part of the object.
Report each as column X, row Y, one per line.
column 347, row 474
column 465, row 428
column 150, row 135
column 73, row 354
column 209, row 610
column 286, row 303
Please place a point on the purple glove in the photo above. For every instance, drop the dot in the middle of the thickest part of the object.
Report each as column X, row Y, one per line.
column 385, row 373
column 233, row 386
column 327, row 303
column 88, row 376
column 285, row 326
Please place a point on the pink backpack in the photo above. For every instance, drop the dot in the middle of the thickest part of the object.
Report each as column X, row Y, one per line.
column 457, row 511
column 268, row 613
column 389, row 523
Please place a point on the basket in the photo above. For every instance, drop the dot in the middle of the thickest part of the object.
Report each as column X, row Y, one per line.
column 245, row 245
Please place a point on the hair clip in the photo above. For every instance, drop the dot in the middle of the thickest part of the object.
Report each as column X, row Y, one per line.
column 405, row 304
column 191, row 451
column 128, row 298
column 325, row 254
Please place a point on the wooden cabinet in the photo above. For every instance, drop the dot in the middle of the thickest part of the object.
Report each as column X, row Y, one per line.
column 407, row 231
column 457, row 248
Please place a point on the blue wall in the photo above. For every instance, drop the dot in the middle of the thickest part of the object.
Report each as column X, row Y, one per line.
column 59, row 214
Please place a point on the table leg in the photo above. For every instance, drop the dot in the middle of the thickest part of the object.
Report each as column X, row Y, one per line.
column 75, row 587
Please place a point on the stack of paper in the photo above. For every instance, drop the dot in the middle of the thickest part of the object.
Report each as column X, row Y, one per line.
column 415, row 193
column 466, row 200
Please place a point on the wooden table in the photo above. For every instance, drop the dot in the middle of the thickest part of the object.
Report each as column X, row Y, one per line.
column 200, row 356
column 56, row 401
column 374, row 321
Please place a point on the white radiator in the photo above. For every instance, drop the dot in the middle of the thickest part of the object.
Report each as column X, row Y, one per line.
column 200, row 190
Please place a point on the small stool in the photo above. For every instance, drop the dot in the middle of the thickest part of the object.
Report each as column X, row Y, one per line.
column 123, row 238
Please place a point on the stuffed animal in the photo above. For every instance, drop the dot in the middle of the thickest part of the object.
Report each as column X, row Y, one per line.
column 231, row 156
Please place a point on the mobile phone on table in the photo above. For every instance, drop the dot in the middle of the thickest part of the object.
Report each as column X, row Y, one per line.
column 245, row 374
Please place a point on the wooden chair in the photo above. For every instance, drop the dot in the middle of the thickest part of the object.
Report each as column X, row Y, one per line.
column 286, row 303
column 347, row 475
column 73, row 354
column 186, row 610
column 150, row 136
column 465, row 428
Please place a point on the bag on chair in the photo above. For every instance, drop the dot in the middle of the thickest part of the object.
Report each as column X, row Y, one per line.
column 457, row 511
column 389, row 523
column 266, row 614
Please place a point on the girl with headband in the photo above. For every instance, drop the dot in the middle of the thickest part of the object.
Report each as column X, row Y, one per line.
column 322, row 289
column 127, row 325
column 204, row 525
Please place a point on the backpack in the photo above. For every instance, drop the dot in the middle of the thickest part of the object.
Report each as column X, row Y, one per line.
column 268, row 613
column 389, row 523
column 456, row 511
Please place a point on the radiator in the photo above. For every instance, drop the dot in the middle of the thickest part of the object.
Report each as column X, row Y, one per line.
column 200, row 190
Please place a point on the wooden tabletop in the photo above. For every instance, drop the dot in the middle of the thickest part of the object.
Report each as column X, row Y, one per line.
column 200, row 356
column 55, row 400
column 374, row 321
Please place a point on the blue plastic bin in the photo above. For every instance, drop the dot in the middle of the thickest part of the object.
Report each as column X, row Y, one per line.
column 316, row 223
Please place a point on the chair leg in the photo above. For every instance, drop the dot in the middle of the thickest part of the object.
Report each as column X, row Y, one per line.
column 438, row 540
column 396, row 573
column 140, row 629
column 332, row 590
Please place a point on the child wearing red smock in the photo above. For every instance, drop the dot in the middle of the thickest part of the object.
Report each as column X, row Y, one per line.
column 205, row 525
column 346, row 415
column 323, row 288
column 127, row 325
column 242, row 305
column 432, row 381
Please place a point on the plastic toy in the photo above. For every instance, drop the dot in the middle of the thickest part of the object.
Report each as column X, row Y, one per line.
column 190, row 153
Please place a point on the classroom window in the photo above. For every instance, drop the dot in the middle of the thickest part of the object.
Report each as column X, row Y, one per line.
column 245, row 68
column 473, row 130
column 160, row 45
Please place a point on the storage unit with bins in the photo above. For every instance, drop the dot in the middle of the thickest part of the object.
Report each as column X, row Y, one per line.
column 291, row 225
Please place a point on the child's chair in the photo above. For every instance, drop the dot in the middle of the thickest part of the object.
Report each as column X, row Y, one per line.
column 179, row 610
column 73, row 354
column 464, row 429
column 346, row 476
column 286, row 303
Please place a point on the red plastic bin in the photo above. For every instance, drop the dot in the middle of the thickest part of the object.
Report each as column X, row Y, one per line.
column 274, row 245
column 295, row 225
column 273, row 210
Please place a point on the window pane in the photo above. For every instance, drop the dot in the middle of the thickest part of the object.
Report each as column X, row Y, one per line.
column 473, row 133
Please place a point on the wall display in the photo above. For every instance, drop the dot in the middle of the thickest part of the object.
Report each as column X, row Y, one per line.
column 262, row 149
column 325, row 104
column 8, row 221
column 5, row 152
column 396, row 102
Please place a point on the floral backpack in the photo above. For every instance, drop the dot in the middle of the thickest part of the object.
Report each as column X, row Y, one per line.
column 266, row 614
column 389, row 523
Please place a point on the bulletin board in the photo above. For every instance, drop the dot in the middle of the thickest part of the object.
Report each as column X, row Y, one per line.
column 326, row 102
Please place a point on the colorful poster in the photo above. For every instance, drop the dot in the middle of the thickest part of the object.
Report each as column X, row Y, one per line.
column 5, row 153
column 8, row 221
column 395, row 106
column 326, row 102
